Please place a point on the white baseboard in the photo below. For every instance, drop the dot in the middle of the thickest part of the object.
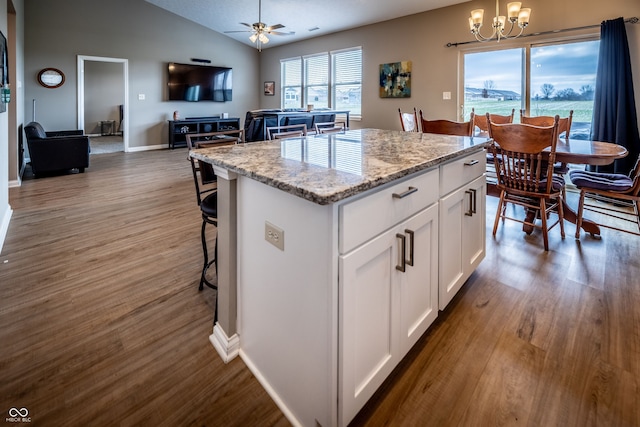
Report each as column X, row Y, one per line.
column 4, row 225
column 148, row 148
column 270, row 391
column 227, row 348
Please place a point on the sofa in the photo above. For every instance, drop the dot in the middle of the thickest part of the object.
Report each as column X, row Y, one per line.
column 56, row 151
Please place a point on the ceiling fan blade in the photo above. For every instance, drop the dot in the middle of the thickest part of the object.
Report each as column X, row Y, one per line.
column 274, row 27
column 246, row 25
column 239, row 31
column 280, row 33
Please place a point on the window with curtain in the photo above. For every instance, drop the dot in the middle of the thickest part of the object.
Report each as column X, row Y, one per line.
column 325, row 80
column 562, row 78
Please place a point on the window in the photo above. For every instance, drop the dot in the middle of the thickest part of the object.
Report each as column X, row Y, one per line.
column 562, row 78
column 325, row 80
column 291, row 75
column 316, row 80
column 347, row 80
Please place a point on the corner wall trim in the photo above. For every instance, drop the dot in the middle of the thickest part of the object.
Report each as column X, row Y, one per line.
column 227, row 348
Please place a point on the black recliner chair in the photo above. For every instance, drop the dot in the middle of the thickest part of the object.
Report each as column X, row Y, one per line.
column 56, row 151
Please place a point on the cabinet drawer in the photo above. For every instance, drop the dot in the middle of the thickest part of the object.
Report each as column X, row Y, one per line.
column 367, row 217
column 462, row 171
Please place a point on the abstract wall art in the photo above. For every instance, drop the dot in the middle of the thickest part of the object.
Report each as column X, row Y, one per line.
column 395, row 80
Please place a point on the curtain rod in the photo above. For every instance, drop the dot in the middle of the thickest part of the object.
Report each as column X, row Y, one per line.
column 633, row 20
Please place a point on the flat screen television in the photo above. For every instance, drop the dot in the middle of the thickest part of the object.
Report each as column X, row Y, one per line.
column 188, row 82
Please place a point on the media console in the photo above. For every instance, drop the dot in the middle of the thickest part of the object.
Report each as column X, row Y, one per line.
column 179, row 129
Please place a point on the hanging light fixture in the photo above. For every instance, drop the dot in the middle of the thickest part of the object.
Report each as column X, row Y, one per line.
column 515, row 13
column 259, row 37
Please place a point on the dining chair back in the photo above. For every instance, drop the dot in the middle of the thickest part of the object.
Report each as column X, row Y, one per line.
column 564, row 123
column 605, row 189
column 523, row 158
column 289, row 131
column 481, row 120
column 330, row 127
column 409, row 121
column 564, row 128
column 446, row 127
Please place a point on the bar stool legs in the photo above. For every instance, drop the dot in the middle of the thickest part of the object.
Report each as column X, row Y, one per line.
column 207, row 263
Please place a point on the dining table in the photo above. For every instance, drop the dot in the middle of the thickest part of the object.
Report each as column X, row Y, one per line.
column 579, row 152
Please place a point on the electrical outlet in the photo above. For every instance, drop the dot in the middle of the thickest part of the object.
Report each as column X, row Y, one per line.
column 274, row 235
column 446, row 95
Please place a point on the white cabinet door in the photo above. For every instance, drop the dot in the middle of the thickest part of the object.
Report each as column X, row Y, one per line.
column 383, row 310
column 419, row 283
column 462, row 237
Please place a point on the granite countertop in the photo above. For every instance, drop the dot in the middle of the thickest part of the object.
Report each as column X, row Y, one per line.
column 327, row 168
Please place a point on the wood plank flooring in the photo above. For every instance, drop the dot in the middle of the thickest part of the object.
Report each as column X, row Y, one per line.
column 101, row 322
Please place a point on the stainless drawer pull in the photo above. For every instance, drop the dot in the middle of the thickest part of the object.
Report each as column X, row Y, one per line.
column 471, row 162
column 411, row 190
column 403, row 252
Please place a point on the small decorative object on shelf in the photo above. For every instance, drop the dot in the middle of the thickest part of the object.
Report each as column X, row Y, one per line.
column 176, row 115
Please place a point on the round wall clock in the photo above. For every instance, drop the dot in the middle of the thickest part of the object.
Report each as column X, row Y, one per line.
column 51, row 78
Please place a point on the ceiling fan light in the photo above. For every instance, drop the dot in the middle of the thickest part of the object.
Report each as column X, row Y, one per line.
column 263, row 39
column 253, row 37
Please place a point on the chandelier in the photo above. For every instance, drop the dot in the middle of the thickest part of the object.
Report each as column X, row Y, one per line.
column 515, row 14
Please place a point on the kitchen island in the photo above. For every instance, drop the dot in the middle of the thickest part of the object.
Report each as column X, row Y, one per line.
column 336, row 253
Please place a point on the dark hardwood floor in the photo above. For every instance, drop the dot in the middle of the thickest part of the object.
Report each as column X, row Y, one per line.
column 101, row 322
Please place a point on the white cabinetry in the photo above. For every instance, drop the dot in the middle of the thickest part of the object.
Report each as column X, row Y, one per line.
column 388, row 290
column 462, row 223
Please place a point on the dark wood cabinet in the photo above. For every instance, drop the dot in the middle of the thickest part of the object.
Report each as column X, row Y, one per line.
column 178, row 129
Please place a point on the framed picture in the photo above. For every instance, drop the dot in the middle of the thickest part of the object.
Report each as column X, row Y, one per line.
column 395, row 80
column 269, row 88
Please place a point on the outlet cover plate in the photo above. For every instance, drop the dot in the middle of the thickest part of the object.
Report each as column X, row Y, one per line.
column 274, row 235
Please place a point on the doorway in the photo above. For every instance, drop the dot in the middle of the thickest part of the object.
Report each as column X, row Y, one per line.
column 103, row 101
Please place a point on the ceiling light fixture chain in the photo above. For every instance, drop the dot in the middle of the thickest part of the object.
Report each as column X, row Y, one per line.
column 516, row 15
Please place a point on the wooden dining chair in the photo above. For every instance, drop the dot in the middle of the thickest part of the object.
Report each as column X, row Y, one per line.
column 481, row 120
column 602, row 189
column 446, row 127
column 525, row 173
column 409, row 121
column 288, row 131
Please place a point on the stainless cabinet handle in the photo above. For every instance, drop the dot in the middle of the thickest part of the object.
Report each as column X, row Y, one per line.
column 470, row 211
column 411, row 190
column 403, row 252
column 474, row 191
column 411, row 236
column 471, row 162
column 472, row 201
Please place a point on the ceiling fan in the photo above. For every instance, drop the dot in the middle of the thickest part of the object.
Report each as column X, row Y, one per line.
column 259, row 30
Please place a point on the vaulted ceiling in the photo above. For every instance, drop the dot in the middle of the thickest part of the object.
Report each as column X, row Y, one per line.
column 307, row 18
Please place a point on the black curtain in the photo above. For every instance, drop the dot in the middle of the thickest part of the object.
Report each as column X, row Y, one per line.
column 614, row 114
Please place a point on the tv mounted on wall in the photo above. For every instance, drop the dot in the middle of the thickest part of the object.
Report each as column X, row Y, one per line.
column 188, row 82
